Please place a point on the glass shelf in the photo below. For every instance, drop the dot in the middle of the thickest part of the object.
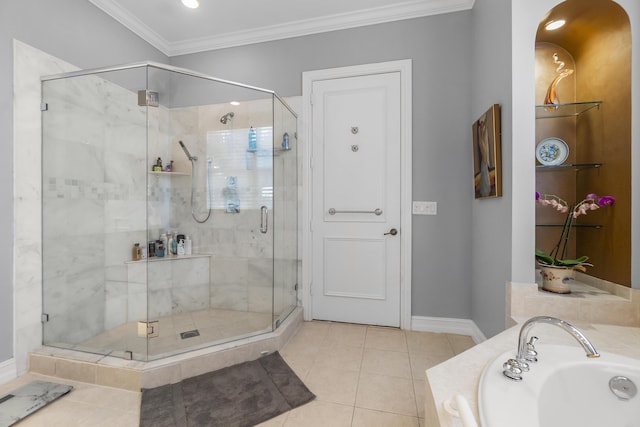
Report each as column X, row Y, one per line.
column 568, row 166
column 573, row 109
column 597, row 226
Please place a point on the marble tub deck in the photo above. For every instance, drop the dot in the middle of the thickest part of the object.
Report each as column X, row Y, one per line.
column 608, row 314
column 461, row 374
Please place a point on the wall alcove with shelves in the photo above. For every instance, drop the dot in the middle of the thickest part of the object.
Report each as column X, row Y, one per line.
column 591, row 118
column 561, row 166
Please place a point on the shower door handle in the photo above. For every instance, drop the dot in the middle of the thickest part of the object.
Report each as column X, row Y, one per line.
column 264, row 219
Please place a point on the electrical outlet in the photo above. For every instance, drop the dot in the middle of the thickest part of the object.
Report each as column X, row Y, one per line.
column 425, row 208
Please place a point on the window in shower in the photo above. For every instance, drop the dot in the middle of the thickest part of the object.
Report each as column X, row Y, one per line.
column 243, row 178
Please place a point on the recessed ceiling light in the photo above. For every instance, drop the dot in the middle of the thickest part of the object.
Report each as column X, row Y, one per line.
column 554, row 25
column 192, row 4
column 234, row 103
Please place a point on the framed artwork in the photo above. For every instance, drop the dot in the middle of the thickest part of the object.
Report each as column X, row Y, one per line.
column 487, row 158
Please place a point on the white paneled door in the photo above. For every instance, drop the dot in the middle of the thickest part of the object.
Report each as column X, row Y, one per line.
column 355, row 205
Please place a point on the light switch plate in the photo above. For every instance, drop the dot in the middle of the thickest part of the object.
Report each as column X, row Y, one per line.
column 425, row 208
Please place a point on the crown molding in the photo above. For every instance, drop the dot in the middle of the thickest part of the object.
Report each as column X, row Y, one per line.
column 134, row 24
column 360, row 18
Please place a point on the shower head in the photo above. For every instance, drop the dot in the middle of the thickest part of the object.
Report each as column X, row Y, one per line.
column 189, row 156
column 226, row 117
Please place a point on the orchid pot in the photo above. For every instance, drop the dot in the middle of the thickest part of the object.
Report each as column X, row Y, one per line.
column 555, row 268
column 556, row 279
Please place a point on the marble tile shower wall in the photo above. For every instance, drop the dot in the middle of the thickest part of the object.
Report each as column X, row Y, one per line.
column 242, row 258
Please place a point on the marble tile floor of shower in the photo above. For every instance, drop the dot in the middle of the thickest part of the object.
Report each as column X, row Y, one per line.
column 213, row 326
column 361, row 376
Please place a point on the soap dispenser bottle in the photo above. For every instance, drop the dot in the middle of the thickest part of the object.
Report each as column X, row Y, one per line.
column 136, row 254
column 158, row 166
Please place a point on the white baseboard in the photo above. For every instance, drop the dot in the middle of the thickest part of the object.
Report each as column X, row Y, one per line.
column 7, row 371
column 449, row 326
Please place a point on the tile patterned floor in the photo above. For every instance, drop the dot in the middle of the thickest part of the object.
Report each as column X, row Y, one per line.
column 362, row 376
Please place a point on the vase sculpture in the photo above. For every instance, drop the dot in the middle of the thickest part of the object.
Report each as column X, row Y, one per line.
column 551, row 98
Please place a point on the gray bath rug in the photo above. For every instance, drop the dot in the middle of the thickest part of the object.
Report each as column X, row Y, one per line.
column 28, row 399
column 241, row 395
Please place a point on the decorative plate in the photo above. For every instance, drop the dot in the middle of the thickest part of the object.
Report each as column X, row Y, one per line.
column 552, row 151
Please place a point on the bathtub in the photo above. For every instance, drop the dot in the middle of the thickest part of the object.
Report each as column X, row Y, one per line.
column 563, row 389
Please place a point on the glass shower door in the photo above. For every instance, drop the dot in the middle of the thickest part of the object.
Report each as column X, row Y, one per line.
column 285, row 176
column 219, row 192
column 93, row 203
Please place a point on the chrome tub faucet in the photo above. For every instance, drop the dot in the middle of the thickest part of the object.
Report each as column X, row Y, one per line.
column 513, row 368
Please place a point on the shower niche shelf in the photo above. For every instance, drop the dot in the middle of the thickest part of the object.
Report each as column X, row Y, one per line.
column 169, row 258
column 169, row 173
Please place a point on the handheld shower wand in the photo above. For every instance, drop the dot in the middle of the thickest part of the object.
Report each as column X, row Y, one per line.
column 189, row 156
column 193, row 184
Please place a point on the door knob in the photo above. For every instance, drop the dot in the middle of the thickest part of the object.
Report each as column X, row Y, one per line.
column 393, row 232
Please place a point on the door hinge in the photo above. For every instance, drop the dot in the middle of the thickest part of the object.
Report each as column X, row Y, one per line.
column 295, row 287
column 148, row 98
column 44, row 317
column 148, row 329
column 44, row 106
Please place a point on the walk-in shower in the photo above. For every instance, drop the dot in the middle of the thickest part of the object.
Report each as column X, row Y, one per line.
column 164, row 230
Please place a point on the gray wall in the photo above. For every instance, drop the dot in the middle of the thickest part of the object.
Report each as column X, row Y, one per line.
column 491, row 218
column 443, row 66
column 440, row 49
column 79, row 33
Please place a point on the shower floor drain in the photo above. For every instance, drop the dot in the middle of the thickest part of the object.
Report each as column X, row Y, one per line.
column 189, row 334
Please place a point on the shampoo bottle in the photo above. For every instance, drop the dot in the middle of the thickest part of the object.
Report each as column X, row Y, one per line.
column 181, row 247
column 135, row 253
column 253, row 140
column 160, row 249
column 188, row 250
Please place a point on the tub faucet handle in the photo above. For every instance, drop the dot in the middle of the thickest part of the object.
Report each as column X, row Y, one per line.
column 531, row 355
column 513, row 369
